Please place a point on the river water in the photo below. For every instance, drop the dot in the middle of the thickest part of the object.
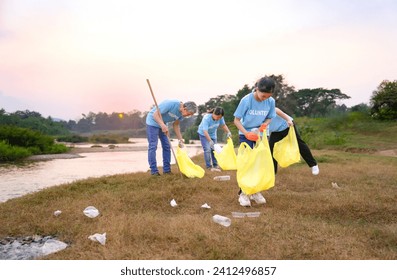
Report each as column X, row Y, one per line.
column 19, row 180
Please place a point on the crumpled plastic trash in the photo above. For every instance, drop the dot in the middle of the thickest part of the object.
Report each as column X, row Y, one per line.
column 173, row 203
column 222, row 220
column 52, row 246
column 253, row 214
column 101, row 238
column 335, row 185
column 218, row 148
column 91, row 212
column 248, row 214
column 238, row 215
column 57, row 213
column 205, row 205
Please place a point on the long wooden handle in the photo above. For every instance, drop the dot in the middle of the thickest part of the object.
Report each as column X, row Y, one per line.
column 158, row 110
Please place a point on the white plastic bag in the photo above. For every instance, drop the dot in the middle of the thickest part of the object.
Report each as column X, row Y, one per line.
column 91, row 212
column 101, row 238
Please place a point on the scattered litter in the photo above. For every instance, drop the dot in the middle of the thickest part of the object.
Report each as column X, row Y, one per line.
column 101, row 238
column 218, row 148
column 238, row 214
column 222, row 178
column 173, row 203
column 91, row 212
column 57, row 213
column 248, row 214
column 335, row 185
column 252, row 214
column 205, row 205
column 52, row 246
column 224, row 221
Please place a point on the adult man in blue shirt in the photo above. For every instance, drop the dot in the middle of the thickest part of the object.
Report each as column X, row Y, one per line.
column 156, row 127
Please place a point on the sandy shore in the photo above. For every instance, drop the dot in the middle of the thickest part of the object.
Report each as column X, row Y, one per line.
column 75, row 152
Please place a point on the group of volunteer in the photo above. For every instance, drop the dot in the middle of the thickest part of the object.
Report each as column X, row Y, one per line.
column 262, row 128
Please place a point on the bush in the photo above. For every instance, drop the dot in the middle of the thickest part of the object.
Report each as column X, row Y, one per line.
column 10, row 153
column 74, row 138
column 19, row 142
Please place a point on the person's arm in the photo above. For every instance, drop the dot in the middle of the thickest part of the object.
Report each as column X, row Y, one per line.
column 177, row 130
column 226, row 129
column 157, row 117
column 283, row 115
column 239, row 125
column 207, row 136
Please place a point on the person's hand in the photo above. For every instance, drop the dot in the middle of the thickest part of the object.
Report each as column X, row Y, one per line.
column 251, row 136
column 263, row 127
column 290, row 123
column 164, row 129
column 212, row 144
column 229, row 135
column 181, row 144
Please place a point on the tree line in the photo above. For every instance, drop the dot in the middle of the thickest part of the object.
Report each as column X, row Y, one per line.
column 318, row 102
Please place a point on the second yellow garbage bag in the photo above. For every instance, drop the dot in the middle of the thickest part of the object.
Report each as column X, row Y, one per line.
column 187, row 166
column 227, row 158
column 286, row 151
column 255, row 169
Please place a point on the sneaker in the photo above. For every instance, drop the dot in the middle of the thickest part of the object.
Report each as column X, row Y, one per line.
column 258, row 198
column 244, row 200
column 156, row 174
column 315, row 170
column 216, row 169
column 168, row 173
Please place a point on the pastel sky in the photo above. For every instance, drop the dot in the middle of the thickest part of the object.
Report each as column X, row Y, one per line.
column 67, row 57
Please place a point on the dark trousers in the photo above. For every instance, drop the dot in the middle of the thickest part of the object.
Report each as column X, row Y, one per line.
column 303, row 148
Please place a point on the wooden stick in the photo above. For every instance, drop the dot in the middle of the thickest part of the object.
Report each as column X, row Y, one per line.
column 158, row 110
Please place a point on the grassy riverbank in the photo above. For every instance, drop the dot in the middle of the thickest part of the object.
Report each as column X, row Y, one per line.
column 305, row 217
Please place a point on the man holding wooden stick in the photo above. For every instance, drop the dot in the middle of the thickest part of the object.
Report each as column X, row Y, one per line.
column 156, row 127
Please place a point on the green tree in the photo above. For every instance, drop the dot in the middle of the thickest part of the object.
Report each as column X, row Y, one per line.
column 384, row 101
column 316, row 102
column 283, row 94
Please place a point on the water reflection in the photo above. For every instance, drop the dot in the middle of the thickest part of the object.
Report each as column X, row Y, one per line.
column 19, row 180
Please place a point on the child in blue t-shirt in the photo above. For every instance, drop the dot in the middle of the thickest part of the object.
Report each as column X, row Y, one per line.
column 207, row 131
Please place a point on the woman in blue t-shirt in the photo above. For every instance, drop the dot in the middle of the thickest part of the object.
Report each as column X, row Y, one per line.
column 254, row 112
column 207, row 131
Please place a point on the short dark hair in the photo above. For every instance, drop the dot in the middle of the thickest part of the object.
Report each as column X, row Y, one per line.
column 265, row 84
column 218, row 111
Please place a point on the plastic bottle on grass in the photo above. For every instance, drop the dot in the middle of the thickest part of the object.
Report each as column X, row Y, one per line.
column 224, row 221
column 222, row 178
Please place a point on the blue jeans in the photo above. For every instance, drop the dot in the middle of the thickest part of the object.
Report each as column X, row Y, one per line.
column 208, row 152
column 250, row 143
column 153, row 135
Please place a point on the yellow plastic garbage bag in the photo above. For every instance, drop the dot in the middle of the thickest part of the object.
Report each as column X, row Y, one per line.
column 286, row 151
column 227, row 158
column 187, row 166
column 255, row 169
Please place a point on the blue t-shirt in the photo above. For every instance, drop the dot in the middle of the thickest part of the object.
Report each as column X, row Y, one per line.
column 210, row 125
column 253, row 113
column 278, row 124
column 169, row 110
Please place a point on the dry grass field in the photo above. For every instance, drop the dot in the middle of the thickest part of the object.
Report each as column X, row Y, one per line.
column 305, row 217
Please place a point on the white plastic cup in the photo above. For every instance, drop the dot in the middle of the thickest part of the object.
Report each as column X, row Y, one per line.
column 222, row 178
column 224, row 221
